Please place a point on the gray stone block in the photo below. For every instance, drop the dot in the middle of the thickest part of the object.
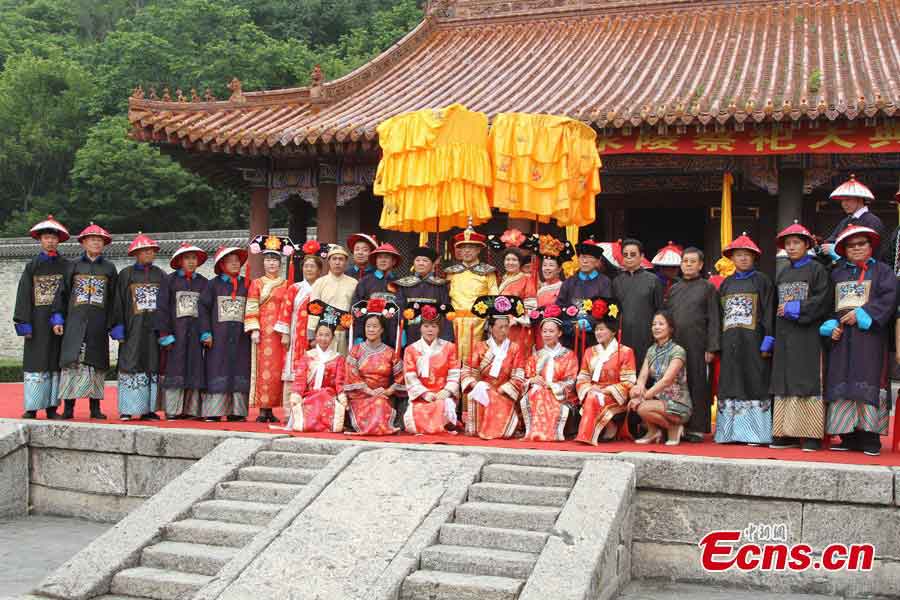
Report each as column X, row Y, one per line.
column 518, row 494
column 682, row 563
column 96, row 472
column 337, row 549
column 896, row 486
column 157, row 583
column 83, row 505
column 825, row 524
column 149, row 474
column 478, row 561
column 292, row 460
column 12, row 437
column 234, row 511
column 90, row 572
column 187, row 557
column 311, row 445
column 14, row 483
column 257, row 491
column 507, row 516
column 457, row 534
column 187, row 443
column 84, row 436
column 437, row 585
column 221, row 533
column 820, row 482
column 586, row 537
column 276, row 475
column 685, row 518
column 528, row 475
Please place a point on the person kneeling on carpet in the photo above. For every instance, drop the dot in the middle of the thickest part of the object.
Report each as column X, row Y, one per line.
column 318, row 402
column 666, row 404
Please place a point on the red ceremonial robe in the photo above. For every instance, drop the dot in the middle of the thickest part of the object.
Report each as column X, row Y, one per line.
column 606, row 377
column 264, row 300
column 369, row 369
column 503, row 388
column 546, row 407
column 292, row 321
column 432, row 369
column 316, row 404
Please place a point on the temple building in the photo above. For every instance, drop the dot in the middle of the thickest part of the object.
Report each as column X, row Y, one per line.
column 789, row 97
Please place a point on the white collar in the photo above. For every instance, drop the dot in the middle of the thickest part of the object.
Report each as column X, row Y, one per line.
column 861, row 211
column 499, row 353
column 601, row 355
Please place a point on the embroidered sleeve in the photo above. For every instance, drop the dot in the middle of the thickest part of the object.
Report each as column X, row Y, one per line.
column 453, row 371
column 251, row 312
column 414, row 386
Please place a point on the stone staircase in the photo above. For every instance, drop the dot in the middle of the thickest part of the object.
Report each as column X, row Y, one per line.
column 490, row 549
column 195, row 549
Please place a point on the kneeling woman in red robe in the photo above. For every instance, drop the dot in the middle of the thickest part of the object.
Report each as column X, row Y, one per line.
column 607, row 375
column 318, row 402
column 431, row 372
column 550, row 378
column 374, row 371
column 495, row 375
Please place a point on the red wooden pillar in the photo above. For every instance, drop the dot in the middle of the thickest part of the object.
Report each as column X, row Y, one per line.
column 326, row 218
column 259, row 225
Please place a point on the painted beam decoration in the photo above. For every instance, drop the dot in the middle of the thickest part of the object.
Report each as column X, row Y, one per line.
column 768, row 140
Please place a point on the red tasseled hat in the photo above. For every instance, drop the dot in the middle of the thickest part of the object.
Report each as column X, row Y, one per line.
column 668, row 256
column 795, row 229
column 853, row 189
column 854, row 230
column 743, row 242
column 224, row 251
column 50, row 225
column 94, row 229
column 388, row 249
column 175, row 262
column 142, row 242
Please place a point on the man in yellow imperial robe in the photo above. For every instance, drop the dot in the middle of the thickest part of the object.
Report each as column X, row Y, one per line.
column 469, row 280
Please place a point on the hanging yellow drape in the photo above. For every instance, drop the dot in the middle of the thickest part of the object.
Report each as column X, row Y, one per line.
column 544, row 167
column 435, row 171
column 724, row 266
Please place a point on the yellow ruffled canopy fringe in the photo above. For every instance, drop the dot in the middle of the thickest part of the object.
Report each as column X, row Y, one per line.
column 435, row 172
column 545, row 167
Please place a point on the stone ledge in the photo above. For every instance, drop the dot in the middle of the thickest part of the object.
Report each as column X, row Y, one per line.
column 80, row 471
column 83, row 436
column 583, row 547
column 681, row 563
column 14, row 484
column 682, row 518
column 764, row 478
column 105, row 508
column 12, row 437
column 146, row 475
column 89, row 573
column 825, row 524
column 187, row 443
column 896, row 486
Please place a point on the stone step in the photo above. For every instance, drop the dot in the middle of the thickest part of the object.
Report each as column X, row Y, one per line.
column 456, row 534
column 507, row 516
column 157, row 583
column 524, row 475
column 257, row 491
column 512, row 493
column 309, row 446
column 292, row 460
column 478, row 561
column 277, row 475
column 438, row 585
column 234, row 511
column 201, row 559
column 117, row 597
column 214, row 533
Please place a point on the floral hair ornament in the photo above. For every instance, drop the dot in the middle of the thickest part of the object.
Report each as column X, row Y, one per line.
column 374, row 306
column 550, row 312
column 334, row 318
column 429, row 311
column 498, row 306
column 511, row 238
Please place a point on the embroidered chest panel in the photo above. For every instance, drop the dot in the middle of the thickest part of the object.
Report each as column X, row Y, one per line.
column 45, row 288
column 739, row 310
column 89, row 289
column 792, row 290
column 143, row 297
column 851, row 294
column 231, row 309
column 186, row 304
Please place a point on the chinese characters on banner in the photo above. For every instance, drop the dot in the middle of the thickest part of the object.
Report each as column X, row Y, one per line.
column 831, row 139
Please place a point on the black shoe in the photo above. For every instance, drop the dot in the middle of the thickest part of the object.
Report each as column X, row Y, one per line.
column 29, row 414
column 262, row 418
column 211, row 419
column 95, row 410
column 52, row 415
column 693, row 437
column 811, row 445
column 69, row 410
column 780, row 443
column 870, row 443
column 848, row 442
column 151, row 416
column 124, row 417
column 173, row 417
column 236, row 419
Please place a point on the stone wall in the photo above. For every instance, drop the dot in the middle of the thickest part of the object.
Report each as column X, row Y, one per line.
column 13, row 470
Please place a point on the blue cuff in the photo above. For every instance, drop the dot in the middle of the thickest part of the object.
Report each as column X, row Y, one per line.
column 117, row 333
column 767, row 344
column 834, row 255
column 23, row 329
column 205, row 336
column 167, row 341
column 863, row 320
column 828, row 327
column 792, row 310
column 57, row 319
column 585, row 325
column 403, row 338
column 357, row 341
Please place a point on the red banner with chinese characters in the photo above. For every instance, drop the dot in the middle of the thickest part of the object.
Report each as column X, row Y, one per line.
column 830, row 139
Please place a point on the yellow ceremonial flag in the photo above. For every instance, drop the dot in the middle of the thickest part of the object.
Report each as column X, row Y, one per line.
column 725, row 226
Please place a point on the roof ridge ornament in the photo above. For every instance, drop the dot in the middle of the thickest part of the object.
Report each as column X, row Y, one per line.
column 237, row 92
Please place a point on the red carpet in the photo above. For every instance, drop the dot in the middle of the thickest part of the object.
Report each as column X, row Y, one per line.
column 11, row 407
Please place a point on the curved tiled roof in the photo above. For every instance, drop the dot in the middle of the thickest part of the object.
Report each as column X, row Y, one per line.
column 612, row 63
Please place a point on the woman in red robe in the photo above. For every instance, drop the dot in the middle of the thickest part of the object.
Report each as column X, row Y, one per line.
column 264, row 300
column 606, row 377
column 550, row 375
column 493, row 379
column 431, row 373
column 374, row 371
column 293, row 318
column 553, row 253
column 524, row 286
column 318, row 402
